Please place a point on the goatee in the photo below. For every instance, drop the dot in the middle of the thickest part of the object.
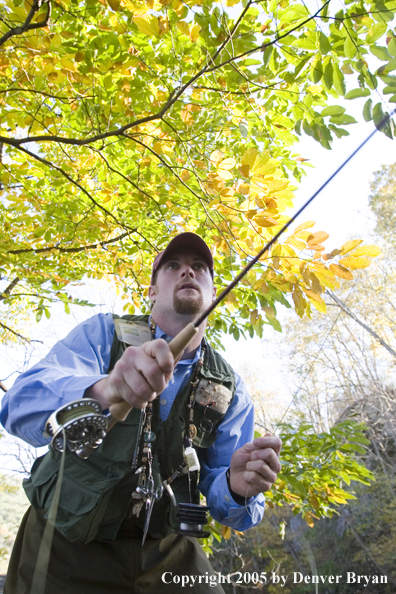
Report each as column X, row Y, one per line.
column 187, row 306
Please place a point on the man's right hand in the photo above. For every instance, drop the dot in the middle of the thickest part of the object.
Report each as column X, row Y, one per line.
column 140, row 374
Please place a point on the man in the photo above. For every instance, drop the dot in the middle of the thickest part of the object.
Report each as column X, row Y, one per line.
column 203, row 407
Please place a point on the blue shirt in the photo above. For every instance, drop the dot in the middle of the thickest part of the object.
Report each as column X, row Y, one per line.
column 79, row 361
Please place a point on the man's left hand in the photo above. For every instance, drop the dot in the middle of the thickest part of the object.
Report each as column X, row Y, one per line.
column 255, row 466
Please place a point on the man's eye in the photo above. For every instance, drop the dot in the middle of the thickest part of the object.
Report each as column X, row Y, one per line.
column 172, row 265
column 200, row 266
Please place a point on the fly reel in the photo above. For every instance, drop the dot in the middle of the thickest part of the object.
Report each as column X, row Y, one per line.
column 83, row 423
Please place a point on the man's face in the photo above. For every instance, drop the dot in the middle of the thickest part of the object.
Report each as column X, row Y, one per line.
column 183, row 284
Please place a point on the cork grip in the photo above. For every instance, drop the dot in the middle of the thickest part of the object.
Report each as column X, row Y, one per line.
column 120, row 410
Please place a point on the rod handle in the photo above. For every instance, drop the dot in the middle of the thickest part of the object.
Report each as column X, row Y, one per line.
column 120, row 410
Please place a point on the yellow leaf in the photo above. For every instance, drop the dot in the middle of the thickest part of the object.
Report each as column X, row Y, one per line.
column 350, row 245
column 309, row 520
column 199, row 164
column 341, row 271
column 244, row 189
column 183, row 27
column 227, row 193
column 260, row 162
column 317, row 238
column 216, row 157
column 253, row 317
column 356, row 263
column 224, row 174
column 185, row 175
column 249, row 157
column 297, row 243
column 227, row 163
column 303, row 226
column 148, row 25
column 266, row 221
column 194, row 33
column 269, row 312
column 316, row 247
column 316, row 300
column 186, row 117
column 315, row 502
column 367, row 250
column 244, row 170
column 226, row 532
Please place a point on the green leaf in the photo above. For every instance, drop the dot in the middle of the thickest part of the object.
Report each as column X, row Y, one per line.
column 351, row 447
column 355, row 93
column 328, row 72
column 350, row 48
column 338, row 80
column 380, row 52
column 368, row 110
column 376, row 32
column 392, row 46
column 323, row 43
column 333, row 110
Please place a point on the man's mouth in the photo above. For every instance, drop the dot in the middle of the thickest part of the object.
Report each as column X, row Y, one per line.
column 188, row 286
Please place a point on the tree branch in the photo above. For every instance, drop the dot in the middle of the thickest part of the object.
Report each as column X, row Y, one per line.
column 13, row 332
column 346, row 310
column 27, row 26
column 70, row 250
column 173, row 97
column 8, row 290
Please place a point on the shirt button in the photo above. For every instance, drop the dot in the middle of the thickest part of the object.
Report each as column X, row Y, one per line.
column 226, row 498
column 230, row 519
column 163, row 401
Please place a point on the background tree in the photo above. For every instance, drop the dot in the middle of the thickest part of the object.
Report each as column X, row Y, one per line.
column 126, row 122
column 342, row 370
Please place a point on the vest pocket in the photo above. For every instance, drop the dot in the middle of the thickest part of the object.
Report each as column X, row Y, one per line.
column 84, row 497
column 206, row 421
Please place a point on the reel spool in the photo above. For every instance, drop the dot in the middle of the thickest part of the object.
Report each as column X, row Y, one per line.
column 192, row 519
column 83, row 423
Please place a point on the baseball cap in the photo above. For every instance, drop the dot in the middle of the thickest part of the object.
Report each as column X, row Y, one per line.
column 184, row 240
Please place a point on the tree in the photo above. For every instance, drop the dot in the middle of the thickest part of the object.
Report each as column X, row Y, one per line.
column 124, row 122
column 382, row 201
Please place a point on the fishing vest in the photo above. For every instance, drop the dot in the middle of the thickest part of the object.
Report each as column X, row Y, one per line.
column 95, row 496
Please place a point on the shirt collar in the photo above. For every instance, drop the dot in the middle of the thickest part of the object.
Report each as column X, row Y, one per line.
column 159, row 333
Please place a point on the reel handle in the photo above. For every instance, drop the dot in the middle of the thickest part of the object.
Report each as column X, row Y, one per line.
column 120, row 410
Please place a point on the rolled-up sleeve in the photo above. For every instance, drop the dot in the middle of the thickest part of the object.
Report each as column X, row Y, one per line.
column 236, row 429
column 71, row 366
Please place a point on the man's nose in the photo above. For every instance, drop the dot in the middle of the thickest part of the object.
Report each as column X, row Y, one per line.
column 186, row 270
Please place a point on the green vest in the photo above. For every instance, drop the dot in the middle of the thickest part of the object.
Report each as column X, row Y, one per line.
column 96, row 493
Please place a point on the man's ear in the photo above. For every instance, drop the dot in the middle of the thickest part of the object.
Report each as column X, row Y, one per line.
column 151, row 293
column 214, row 293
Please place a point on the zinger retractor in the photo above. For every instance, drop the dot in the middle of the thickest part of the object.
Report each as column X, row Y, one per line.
column 84, row 424
column 192, row 518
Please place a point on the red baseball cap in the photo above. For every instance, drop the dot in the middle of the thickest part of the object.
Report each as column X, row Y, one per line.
column 184, row 240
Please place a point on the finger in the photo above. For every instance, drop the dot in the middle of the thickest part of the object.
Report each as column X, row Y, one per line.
column 269, row 456
column 150, row 370
column 132, row 387
column 159, row 349
column 260, row 467
column 255, row 483
column 267, row 441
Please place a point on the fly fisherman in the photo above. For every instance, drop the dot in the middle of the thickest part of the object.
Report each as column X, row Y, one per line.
column 203, row 417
